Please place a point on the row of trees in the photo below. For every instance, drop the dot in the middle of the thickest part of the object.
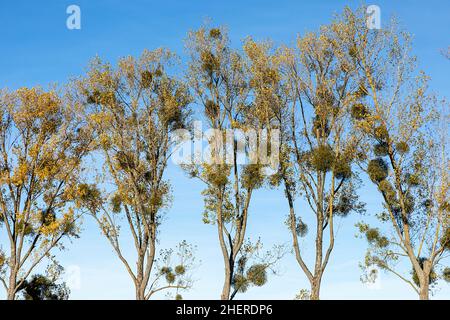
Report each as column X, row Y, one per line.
column 347, row 101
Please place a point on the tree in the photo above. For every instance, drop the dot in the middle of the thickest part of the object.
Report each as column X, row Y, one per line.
column 253, row 266
column 42, row 288
column 403, row 154
column 133, row 109
column 313, row 93
column 45, row 287
column 411, row 174
column 42, row 144
column 219, row 78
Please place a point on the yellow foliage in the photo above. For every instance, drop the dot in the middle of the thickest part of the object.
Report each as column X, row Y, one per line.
column 50, row 228
column 35, row 104
column 104, row 141
column 20, row 174
column 68, row 216
column 100, row 118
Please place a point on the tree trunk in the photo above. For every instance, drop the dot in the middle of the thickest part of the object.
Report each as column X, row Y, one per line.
column 315, row 288
column 140, row 292
column 11, row 294
column 424, row 280
column 227, row 258
column 315, row 283
column 227, row 284
column 424, row 291
column 140, row 288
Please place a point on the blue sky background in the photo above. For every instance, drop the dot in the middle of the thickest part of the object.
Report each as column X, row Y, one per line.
column 38, row 49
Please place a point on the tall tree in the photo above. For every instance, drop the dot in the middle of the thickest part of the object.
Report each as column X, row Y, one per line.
column 45, row 287
column 42, row 144
column 314, row 93
column 219, row 77
column 133, row 109
column 402, row 154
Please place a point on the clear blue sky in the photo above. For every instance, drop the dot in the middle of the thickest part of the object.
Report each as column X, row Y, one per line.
column 38, row 49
